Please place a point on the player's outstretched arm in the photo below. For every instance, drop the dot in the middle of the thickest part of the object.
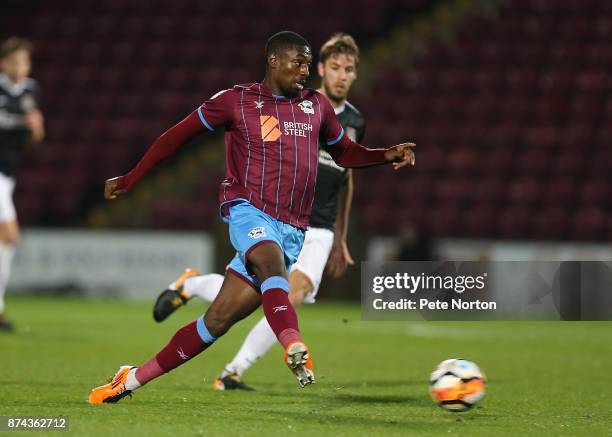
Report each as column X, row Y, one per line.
column 163, row 147
column 348, row 153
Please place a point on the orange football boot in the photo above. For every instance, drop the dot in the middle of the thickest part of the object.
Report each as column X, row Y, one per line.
column 114, row 390
column 299, row 362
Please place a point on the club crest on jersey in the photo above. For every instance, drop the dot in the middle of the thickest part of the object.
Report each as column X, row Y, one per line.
column 259, row 104
column 257, row 232
column 306, row 107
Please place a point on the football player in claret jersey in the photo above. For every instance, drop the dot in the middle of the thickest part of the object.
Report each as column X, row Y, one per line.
column 272, row 132
column 21, row 124
column 326, row 234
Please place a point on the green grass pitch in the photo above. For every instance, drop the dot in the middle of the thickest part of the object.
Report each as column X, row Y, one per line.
column 372, row 377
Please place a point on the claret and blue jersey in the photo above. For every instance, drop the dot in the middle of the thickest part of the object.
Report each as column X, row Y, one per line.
column 272, row 156
column 272, row 147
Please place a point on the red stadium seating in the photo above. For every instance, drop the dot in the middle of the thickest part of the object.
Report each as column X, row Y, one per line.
column 115, row 74
column 512, row 117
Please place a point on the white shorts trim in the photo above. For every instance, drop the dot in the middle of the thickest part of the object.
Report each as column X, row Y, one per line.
column 313, row 258
column 7, row 207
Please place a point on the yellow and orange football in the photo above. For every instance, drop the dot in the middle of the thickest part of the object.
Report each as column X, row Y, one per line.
column 457, row 384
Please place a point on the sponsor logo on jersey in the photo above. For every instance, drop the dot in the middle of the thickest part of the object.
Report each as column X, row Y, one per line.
column 297, row 129
column 269, row 128
column 257, row 232
column 306, row 107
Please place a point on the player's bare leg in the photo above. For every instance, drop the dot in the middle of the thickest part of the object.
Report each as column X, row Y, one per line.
column 259, row 340
column 268, row 263
column 234, row 302
column 9, row 236
column 300, row 286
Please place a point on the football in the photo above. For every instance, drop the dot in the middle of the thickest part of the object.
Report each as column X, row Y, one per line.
column 457, row 384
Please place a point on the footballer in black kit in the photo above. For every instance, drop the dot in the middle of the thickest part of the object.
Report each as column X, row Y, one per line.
column 21, row 124
column 331, row 176
column 16, row 100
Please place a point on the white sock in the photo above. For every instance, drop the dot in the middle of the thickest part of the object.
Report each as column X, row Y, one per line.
column 6, row 259
column 131, row 383
column 205, row 286
column 256, row 345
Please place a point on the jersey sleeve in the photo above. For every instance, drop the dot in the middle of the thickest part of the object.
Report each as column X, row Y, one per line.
column 331, row 131
column 163, row 147
column 218, row 111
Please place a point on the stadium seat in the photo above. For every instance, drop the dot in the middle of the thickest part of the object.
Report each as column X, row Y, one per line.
column 511, row 115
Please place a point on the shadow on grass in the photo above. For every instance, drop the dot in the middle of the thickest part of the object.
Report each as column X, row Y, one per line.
column 359, row 420
column 351, row 393
column 378, row 383
column 328, row 383
column 374, row 399
column 50, row 384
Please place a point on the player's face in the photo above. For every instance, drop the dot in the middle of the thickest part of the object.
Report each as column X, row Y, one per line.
column 17, row 65
column 337, row 75
column 293, row 69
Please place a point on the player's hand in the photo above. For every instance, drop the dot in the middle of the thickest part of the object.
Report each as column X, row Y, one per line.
column 34, row 119
column 35, row 122
column 401, row 155
column 111, row 188
column 339, row 259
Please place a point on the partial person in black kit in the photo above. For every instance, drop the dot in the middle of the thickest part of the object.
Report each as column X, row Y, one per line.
column 21, row 124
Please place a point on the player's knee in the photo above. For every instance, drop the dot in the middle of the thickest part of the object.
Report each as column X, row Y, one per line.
column 13, row 239
column 9, row 237
column 266, row 261
column 217, row 324
column 266, row 270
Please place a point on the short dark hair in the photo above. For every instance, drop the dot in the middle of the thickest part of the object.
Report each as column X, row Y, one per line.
column 14, row 44
column 284, row 40
column 339, row 43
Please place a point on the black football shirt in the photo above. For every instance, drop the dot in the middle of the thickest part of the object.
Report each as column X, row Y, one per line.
column 15, row 101
column 330, row 175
